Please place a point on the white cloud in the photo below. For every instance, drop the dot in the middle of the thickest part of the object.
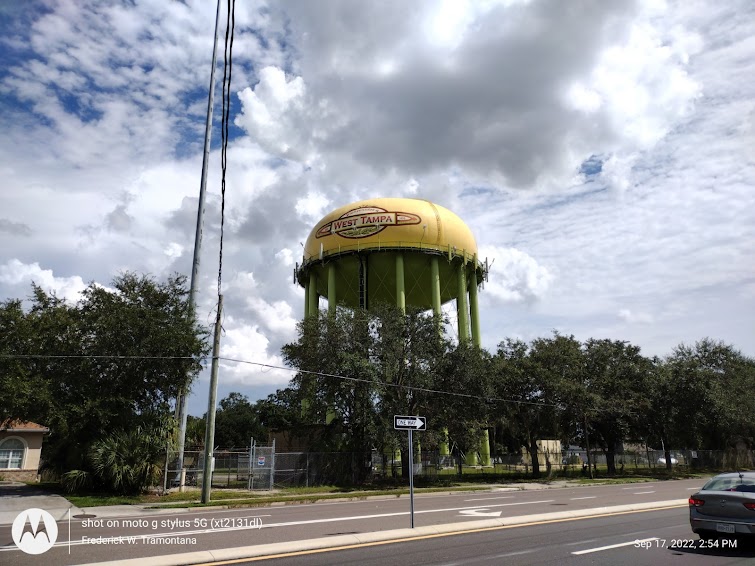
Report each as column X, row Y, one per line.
column 286, row 256
column 21, row 275
column 246, row 343
column 174, row 250
column 312, row 207
column 515, row 276
column 274, row 113
column 635, row 317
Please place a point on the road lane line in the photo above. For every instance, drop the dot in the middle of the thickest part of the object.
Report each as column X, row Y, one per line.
column 642, row 492
column 576, row 498
column 635, row 486
column 610, row 546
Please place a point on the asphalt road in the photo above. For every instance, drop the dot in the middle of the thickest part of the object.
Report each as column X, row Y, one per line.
column 633, row 539
column 155, row 533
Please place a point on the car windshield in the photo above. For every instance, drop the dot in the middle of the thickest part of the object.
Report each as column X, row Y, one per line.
column 746, row 484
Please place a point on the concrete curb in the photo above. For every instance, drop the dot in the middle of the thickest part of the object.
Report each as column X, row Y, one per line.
column 378, row 536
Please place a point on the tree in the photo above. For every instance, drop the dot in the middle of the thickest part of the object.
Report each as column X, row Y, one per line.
column 24, row 395
column 332, row 356
column 280, row 410
column 409, row 355
column 237, row 422
column 701, row 397
column 195, row 430
column 615, row 377
column 466, row 373
column 536, row 380
column 108, row 364
column 357, row 369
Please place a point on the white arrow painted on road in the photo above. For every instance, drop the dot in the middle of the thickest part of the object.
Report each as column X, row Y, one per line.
column 479, row 513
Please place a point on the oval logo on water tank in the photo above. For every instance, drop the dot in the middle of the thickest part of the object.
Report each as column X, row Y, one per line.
column 366, row 221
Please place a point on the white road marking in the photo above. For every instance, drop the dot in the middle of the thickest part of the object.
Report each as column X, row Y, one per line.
column 480, row 513
column 610, row 546
column 635, row 487
column 489, row 498
column 590, row 497
column 642, row 492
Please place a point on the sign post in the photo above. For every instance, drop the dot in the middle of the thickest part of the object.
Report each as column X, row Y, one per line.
column 410, row 423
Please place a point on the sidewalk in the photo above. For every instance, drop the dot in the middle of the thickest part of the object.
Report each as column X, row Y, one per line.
column 16, row 497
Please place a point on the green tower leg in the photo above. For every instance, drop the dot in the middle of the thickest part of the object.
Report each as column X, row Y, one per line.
column 485, row 448
column 313, row 306
column 471, row 458
column 332, row 289
column 400, row 289
column 474, row 312
column 443, row 444
column 461, row 303
column 435, row 284
column 306, row 299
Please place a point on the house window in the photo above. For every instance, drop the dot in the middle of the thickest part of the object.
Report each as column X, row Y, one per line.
column 11, row 454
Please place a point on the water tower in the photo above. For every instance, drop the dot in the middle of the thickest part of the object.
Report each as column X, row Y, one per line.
column 394, row 250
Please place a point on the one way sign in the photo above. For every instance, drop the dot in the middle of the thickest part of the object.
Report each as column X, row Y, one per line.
column 403, row 422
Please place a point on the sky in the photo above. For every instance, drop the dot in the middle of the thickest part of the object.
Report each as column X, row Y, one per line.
column 601, row 151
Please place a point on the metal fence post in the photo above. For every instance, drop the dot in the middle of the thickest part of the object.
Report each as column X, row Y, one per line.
column 272, row 465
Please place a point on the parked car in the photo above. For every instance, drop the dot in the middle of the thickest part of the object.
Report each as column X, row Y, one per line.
column 724, row 506
column 662, row 461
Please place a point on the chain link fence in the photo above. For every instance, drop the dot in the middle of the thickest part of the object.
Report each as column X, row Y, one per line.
column 260, row 467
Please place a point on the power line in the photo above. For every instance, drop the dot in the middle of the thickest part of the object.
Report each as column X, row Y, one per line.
column 94, row 356
column 284, row 368
column 395, row 385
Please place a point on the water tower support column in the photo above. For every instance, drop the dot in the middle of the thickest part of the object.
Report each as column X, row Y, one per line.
column 332, row 289
column 312, row 295
column 306, row 299
column 400, row 285
column 474, row 312
column 435, row 284
column 461, row 303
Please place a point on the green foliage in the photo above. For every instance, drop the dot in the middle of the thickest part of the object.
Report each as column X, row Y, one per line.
column 195, row 430
column 99, row 369
column 701, row 397
column 124, row 462
column 236, row 422
column 129, row 461
column 75, row 481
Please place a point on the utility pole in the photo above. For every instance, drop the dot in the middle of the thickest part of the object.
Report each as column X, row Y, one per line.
column 182, row 399
column 209, row 437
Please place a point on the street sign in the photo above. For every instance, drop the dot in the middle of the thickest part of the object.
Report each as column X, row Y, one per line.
column 403, row 422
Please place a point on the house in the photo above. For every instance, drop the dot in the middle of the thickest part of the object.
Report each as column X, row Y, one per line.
column 20, row 449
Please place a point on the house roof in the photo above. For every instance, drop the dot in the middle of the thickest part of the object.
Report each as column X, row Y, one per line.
column 16, row 425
